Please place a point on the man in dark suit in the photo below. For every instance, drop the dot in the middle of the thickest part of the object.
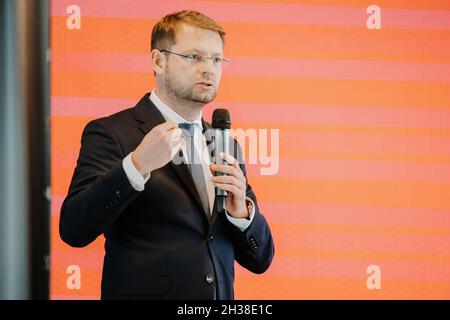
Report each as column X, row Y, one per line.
column 165, row 235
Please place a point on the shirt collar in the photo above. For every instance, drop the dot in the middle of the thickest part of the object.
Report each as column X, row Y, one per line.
column 170, row 114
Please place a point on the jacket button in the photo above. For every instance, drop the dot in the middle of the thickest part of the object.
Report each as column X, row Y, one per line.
column 118, row 194
column 211, row 237
column 209, row 278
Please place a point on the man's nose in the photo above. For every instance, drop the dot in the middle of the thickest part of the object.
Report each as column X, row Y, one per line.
column 207, row 66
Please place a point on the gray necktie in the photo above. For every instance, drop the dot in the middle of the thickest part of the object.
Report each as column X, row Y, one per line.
column 195, row 164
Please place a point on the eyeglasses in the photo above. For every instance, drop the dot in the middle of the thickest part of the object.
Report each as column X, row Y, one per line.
column 198, row 58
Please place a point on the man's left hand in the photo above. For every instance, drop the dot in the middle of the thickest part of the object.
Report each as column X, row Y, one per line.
column 235, row 183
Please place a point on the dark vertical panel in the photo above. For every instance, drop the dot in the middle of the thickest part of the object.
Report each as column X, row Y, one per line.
column 34, row 43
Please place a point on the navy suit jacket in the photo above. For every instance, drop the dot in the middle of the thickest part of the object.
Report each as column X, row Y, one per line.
column 159, row 242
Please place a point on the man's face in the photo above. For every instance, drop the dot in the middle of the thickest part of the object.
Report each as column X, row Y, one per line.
column 194, row 81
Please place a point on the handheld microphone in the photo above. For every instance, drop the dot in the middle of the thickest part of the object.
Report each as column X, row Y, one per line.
column 221, row 124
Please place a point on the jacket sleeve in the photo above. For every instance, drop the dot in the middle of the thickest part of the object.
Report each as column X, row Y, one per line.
column 99, row 190
column 254, row 248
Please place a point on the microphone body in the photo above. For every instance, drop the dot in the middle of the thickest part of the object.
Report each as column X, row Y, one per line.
column 221, row 138
column 221, row 124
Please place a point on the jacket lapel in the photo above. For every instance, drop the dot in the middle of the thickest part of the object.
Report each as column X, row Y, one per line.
column 149, row 115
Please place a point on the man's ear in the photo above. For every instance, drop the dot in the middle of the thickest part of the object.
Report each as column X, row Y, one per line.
column 158, row 61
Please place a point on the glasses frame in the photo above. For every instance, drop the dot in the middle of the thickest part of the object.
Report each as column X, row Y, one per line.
column 191, row 58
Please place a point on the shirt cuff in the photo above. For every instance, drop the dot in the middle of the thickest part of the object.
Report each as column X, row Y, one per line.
column 136, row 179
column 242, row 223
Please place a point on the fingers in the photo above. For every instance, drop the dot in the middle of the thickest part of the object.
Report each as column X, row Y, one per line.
column 231, row 169
column 170, row 129
column 168, row 125
column 235, row 181
column 240, row 183
column 237, row 192
column 227, row 169
column 230, row 159
column 175, row 135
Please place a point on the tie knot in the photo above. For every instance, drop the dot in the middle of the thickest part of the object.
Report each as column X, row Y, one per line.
column 187, row 128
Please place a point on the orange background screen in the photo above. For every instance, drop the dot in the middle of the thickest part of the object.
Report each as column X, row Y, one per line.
column 364, row 120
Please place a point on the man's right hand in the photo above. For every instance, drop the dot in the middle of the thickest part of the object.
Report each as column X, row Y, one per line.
column 157, row 148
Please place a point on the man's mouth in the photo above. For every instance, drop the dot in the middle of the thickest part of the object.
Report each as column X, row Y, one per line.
column 205, row 84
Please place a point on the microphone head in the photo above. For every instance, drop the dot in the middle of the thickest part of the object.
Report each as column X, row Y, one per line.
column 221, row 119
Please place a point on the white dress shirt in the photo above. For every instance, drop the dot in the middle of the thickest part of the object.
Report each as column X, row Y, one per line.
column 138, row 181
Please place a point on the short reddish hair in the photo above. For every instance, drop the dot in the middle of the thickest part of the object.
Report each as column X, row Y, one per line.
column 165, row 30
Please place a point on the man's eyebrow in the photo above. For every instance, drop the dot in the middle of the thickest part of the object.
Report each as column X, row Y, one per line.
column 202, row 52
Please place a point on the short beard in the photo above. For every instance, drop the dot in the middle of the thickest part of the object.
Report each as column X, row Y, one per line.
column 187, row 95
